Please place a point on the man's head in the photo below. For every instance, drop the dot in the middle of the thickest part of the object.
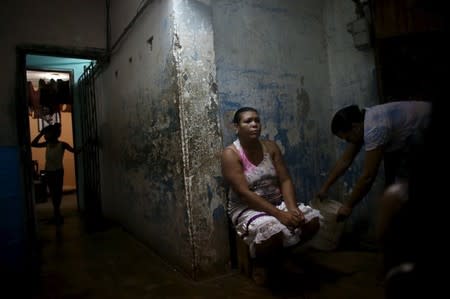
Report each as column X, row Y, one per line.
column 347, row 124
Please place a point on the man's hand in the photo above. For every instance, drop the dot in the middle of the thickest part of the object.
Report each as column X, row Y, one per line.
column 343, row 213
column 322, row 194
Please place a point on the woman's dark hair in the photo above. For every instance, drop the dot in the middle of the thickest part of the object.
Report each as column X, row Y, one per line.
column 345, row 117
column 237, row 115
column 54, row 129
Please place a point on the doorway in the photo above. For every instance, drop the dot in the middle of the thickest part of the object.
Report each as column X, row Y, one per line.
column 50, row 100
column 48, row 60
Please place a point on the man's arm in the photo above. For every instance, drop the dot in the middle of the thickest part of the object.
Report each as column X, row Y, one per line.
column 340, row 168
column 364, row 183
column 371, row 164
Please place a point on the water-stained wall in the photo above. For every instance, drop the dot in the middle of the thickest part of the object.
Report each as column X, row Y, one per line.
column 140, row 134
column 201, row 136
column 160, row 136
column 165, row 101
column 297, row 64
column 352, row 81
column 168, row 95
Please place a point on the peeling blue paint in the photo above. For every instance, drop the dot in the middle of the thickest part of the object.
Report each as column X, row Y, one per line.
column 251, row 71
column 293, row 76
column 271, row 9
column 219, row 214
column 267, row 86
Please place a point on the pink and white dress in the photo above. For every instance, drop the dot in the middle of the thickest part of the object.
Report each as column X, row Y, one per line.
column 254, row 227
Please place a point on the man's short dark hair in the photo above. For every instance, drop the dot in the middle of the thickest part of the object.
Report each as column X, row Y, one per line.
column 345, row 117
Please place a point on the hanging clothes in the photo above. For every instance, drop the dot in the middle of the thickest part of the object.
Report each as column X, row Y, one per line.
column 33, row 97
column 63, row 95
column 48, row 98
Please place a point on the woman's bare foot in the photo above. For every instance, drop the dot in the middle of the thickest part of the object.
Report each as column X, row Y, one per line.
column 260, row 275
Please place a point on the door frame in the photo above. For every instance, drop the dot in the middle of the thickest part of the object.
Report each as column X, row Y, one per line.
column 23, row 132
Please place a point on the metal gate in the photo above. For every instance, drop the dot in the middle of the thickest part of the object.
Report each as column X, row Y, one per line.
column 91, row 190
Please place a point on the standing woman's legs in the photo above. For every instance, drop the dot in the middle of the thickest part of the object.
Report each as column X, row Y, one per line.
column 55, row 184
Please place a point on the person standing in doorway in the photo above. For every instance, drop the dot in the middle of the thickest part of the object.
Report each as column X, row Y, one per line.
column 54, row 170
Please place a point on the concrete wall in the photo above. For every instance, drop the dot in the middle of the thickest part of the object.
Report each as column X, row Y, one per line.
column 167, row 99
column 296, row 63
column 201, row 135
column 158, row 125
column 140, row 134
column 352, row 81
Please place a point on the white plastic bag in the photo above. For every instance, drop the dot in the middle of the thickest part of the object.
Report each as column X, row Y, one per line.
column 329, row 234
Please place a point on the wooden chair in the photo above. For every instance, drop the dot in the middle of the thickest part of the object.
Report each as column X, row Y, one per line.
column 244, row 261
column 240, row 252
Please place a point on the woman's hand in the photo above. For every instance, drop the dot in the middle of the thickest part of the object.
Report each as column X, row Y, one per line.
column 298, row 214
column 292, row 219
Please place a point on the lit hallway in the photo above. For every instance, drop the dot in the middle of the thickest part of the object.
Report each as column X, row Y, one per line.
column 112, row 264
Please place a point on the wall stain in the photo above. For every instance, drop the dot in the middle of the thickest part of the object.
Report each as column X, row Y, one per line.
column 303, row 102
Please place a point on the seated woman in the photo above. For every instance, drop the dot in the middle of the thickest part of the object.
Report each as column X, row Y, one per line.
column 262, row 202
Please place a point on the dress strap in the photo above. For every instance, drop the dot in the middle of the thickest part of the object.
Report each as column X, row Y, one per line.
column 245, row 162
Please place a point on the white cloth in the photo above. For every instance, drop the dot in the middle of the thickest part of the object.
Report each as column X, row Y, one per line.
column 265, row 226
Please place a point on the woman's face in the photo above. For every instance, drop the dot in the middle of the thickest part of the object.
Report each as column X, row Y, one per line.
column 249, row 125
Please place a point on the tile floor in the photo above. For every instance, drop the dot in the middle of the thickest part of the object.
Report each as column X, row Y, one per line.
column 112, row 264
